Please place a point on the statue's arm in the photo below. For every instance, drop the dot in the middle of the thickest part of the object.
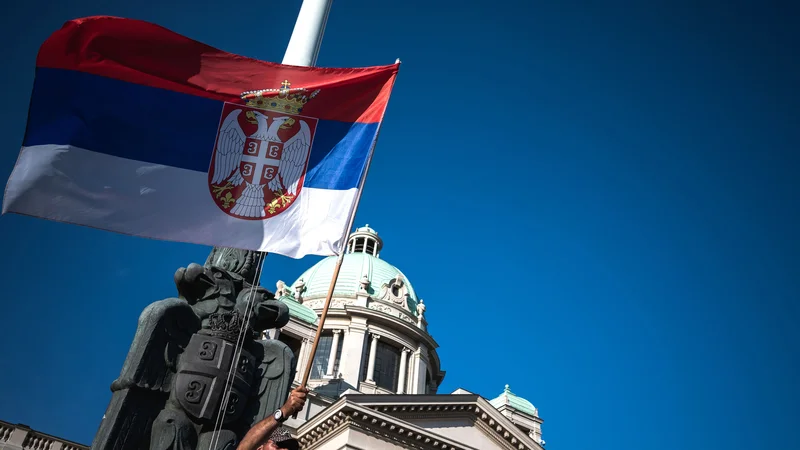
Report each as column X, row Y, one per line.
column 164, row 329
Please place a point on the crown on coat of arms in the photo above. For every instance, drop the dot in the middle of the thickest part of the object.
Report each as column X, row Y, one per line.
column 227, row 325
column 290, row 101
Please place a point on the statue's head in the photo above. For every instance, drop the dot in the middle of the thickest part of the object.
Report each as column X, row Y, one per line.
column 239, row 263
column 265, row 312
column 196, row 283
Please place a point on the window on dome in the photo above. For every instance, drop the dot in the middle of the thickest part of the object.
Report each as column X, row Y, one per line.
column 323, row 354
column 369, row 246
column 387, row 363
column 364, row 245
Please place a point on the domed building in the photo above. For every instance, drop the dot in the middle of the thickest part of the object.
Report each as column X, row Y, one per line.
column 376, row 372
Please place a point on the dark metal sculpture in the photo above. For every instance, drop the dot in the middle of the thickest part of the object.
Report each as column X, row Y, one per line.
column 173, row 383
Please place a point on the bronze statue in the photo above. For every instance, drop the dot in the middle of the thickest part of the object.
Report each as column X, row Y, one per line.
column 172, row 385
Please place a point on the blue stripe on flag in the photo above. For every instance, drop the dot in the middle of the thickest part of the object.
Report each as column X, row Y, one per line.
column 160, row 126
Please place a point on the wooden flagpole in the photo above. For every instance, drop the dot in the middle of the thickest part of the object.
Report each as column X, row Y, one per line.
column 338, row 267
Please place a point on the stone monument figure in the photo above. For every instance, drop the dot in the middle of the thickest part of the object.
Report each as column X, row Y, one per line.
column 172, row 386
column 420, row 310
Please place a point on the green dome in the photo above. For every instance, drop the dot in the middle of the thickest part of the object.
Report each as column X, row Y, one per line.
column 317, row 279
column 509, row 399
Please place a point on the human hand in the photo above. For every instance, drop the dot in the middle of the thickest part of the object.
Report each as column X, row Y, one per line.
column 295, row 402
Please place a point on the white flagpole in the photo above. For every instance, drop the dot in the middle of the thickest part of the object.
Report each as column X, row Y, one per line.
column 303, row 50
column 306, row 39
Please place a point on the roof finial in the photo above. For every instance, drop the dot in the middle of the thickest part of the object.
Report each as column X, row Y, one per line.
column 507, row 390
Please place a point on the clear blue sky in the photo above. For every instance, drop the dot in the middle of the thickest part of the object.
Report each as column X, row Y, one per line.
column 597, row 200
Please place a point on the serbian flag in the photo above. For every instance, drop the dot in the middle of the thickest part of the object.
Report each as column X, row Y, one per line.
column 138, row 130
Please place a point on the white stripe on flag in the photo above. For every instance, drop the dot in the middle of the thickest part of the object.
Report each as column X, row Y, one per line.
column 74, row 185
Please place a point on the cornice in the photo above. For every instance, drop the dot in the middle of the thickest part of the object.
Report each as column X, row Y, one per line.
column 299, row 329
column 405, row 326
column 411, row 330
column 474, row 407
column 346, row 414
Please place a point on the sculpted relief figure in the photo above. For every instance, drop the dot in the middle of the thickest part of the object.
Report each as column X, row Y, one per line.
column 421, row 310
column 282, row 289
column 171, row 390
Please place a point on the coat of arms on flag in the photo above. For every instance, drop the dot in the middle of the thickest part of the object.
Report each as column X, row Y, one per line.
column 261, row 153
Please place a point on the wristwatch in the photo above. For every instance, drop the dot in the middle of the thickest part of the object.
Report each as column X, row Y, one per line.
column 278, row 415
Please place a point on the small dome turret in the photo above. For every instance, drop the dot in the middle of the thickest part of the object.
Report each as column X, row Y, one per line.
column 521, row 412
column 508, row 398
column 363, row 273
column 365, row 240
column 375, row 316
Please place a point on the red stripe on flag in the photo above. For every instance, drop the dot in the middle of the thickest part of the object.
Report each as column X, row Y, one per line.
column 144, row 53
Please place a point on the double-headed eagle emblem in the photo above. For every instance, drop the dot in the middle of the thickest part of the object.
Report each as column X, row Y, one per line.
column 258, row 175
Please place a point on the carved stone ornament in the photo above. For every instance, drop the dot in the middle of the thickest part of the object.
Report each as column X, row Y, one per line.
column 421, row 309
column 299, row 290
column 395, row 292
column 201, row 380
column 227, row 325
column 392, row 311
column 282, row 289
column 335, row 303
column 407, row 319
column 381, row 308
column 363, row 285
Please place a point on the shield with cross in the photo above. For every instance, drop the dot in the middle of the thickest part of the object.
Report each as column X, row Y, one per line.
column 261, row 154
column 261, row 160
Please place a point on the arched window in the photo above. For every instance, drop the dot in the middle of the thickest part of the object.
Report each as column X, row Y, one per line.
column 387, row 364
column 323, row 354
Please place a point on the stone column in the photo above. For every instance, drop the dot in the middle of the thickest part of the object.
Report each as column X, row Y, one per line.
column 412, row 381
column 302, row 355
column 354, row 343
column 373, row 348
column 401, row 383
column 334, row 350
column 421, row 370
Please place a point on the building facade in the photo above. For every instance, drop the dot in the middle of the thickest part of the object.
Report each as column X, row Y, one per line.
column 376, row 374
column 22, row 437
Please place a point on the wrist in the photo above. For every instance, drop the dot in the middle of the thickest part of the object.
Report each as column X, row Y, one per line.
column 286, row 411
